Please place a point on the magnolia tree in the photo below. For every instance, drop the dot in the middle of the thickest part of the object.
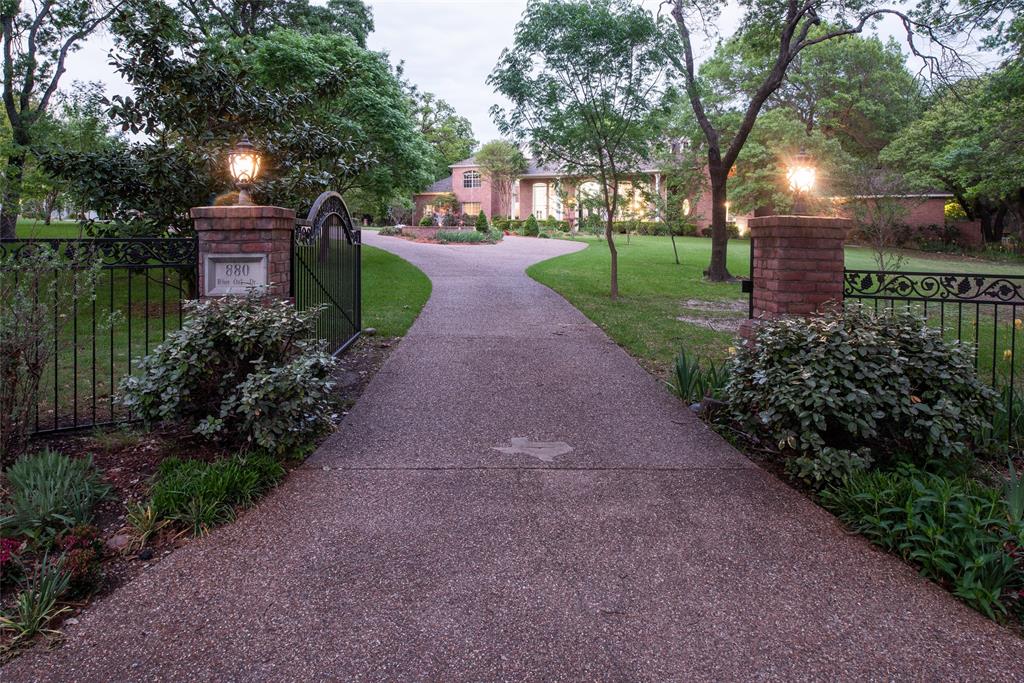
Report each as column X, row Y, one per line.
column 782, row 31
column 588, row 81
column 501, row 163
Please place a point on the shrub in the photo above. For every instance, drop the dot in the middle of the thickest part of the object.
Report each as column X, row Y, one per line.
column 869, row 386
column 390, row 231
column 39, row 287
column 500, row 223
column 48, row 493
column 531, row 228
column 481, row 223
column 732, row 230
column 450, row 220
column 201, row 495
column 36, row 606
column 240, row 370
column 427, row 220
column 82, row 551
column 515, row 225
column 462, row 236
column 955, row 530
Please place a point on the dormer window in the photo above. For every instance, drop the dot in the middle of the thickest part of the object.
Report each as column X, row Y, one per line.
column 471, row 179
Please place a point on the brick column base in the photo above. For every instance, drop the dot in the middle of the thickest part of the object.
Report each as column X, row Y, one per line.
column 247, row 232
column 798, row 265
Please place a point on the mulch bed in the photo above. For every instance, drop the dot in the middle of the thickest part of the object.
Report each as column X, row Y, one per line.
column 128, row 459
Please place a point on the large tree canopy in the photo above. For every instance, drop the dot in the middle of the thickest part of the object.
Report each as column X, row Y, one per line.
column 450, row 135
column 588, row 81
column 971, row 142
column 327, row 114
column 781, row 32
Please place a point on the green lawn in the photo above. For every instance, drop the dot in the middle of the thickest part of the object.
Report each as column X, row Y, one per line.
column 655, row 293
column 394, row 292
column 31, row 228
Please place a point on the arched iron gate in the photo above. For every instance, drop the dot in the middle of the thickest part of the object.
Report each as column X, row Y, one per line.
column 326, row 270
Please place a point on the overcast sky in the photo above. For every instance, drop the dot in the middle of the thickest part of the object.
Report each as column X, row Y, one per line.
column 448, row 46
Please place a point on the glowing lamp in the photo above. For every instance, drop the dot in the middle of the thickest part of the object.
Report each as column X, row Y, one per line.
column 801, row 174
column 244, row 164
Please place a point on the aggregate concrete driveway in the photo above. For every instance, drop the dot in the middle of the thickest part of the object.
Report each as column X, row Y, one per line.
column 612, row 538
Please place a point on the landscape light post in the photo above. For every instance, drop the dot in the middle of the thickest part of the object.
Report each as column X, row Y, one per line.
column 244, row 248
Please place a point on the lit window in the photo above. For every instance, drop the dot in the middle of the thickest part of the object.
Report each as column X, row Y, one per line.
column 471, row 208
column 429, row 208
column 471, row 179
column 686, row 207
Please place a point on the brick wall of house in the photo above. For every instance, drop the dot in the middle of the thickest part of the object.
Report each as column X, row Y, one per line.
column 480, row 194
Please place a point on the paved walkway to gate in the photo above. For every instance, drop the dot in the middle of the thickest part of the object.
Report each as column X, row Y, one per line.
column 513, row 498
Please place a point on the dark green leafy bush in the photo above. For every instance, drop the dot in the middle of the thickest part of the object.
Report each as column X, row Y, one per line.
column 240, row 370
column 48, row 493
column 841, row 390
column 201, row 495
column 481, row 223
column 390, row 231
column 956, row 531
column 531, row 228
column 427, row 220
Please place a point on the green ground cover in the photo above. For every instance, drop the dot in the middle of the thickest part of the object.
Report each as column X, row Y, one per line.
column 655, row 293
column 30, row 228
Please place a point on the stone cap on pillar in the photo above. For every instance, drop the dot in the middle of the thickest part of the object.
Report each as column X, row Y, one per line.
column 232, row 211
column 799, row 226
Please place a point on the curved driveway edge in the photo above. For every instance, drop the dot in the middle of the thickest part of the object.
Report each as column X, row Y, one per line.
column 514, row 498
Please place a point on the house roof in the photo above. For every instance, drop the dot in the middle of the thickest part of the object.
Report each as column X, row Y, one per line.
column 441, row 186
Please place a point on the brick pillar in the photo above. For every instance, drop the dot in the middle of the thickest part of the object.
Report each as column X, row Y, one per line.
column 798, row 264
column 241, row 247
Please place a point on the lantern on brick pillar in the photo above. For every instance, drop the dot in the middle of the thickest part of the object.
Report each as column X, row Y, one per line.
column 801, row 175
column 244, row 164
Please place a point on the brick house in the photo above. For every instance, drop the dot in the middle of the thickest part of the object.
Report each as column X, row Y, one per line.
column 544, row 191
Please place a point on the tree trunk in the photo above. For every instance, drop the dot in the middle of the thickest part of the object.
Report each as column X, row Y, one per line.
column 718, row 270
column 11, row 198
column 609, row 236
column 49, row 202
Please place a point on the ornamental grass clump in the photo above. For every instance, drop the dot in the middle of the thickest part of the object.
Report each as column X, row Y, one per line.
column 840, row 392
column 242, row 371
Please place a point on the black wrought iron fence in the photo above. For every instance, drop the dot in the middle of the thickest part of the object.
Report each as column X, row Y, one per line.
column 133, row 304
column 984, row 311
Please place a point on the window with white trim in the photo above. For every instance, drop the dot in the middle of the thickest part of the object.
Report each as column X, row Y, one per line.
column 471, row 179
column 470, row 208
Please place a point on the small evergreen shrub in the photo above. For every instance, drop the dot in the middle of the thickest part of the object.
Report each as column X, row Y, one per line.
column 836, row 392
column 242, row 371
column 481, row 223
column 47, row 493
column 531, row 228
column 200, row 495
column 955, row 530
column 500, row 223
column 427, row 220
